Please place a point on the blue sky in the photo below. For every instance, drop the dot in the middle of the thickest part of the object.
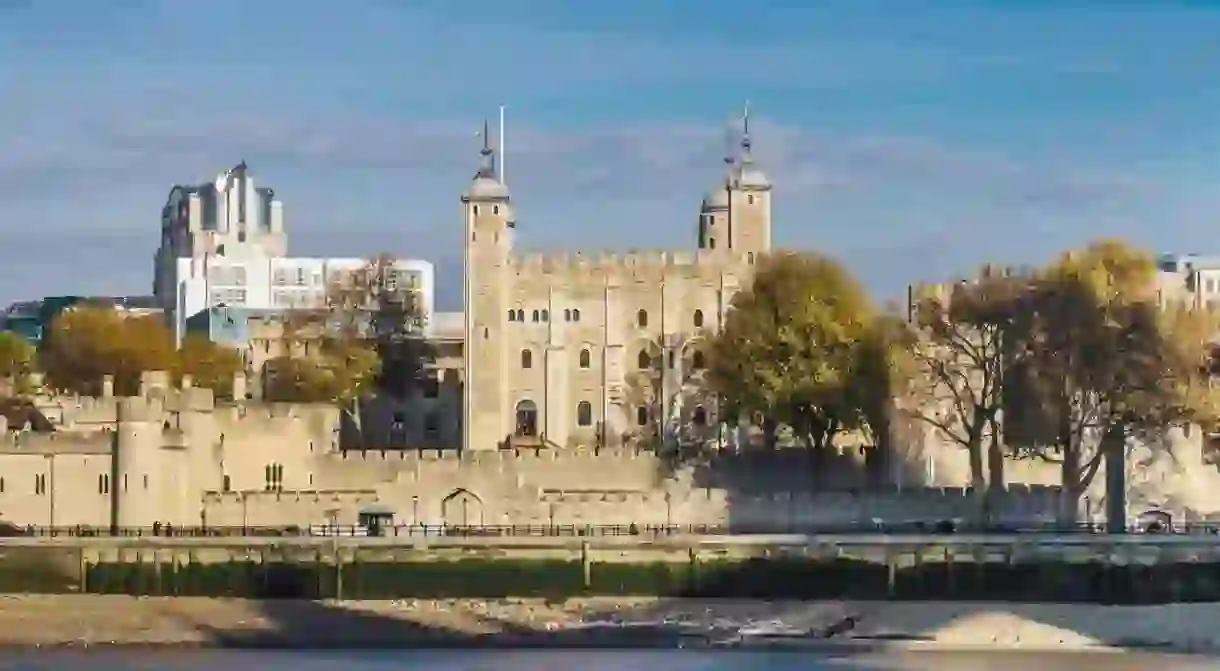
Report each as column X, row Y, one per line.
column 914, row 140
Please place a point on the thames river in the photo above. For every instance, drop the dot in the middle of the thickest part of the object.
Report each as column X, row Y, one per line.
column 533, row 660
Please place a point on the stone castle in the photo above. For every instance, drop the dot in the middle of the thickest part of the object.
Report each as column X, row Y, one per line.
column 557, row 400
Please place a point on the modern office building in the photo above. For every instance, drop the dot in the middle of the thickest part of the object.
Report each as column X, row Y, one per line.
column 223, row 243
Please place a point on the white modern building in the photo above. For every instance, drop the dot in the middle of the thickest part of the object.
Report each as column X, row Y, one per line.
column 1190, row 280
column 223, row 243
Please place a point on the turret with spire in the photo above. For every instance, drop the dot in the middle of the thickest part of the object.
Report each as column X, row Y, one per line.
column 486, row 184
column 735, row 214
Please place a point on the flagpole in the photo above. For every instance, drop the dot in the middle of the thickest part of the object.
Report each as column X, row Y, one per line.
column 503, row 176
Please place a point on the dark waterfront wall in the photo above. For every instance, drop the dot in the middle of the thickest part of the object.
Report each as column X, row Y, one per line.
column 922, row 571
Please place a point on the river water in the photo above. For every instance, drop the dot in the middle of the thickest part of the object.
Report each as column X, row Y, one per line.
column 585, row 660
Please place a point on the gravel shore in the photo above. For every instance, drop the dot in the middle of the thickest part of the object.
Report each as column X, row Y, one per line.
column 112, row 620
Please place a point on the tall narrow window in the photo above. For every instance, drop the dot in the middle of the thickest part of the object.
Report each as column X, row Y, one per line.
column 698, row 318
column 584, row 414
column 643, row 361
column 535, row 315
column 585, row 358
column 576, row 314
column 641, row 416
column 641, row 318
column 512, row 315
column 527, row 358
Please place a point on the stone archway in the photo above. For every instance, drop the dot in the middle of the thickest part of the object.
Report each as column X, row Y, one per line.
column 462, row 509
column 526, row 423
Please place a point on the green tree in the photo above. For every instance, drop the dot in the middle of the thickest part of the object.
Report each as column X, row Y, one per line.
column 210, row 365
column 793, row 348
column 87, row 343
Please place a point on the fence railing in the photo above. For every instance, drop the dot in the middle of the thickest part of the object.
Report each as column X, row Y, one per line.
column 572, row 530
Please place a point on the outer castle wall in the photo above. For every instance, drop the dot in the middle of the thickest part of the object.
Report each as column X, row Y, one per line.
column 174, row 456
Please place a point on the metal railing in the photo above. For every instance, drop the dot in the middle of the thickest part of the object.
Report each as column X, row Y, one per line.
column 576, row 530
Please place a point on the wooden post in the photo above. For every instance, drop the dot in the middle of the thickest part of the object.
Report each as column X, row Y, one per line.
column 84, row 573
column 586, row 566
column 891, row 566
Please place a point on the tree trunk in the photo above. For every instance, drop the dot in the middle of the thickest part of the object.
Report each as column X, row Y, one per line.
column 996, row 485
column 978, row 481
column 1114, row 449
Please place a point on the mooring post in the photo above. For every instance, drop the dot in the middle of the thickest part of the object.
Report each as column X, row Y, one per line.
column 586, row 566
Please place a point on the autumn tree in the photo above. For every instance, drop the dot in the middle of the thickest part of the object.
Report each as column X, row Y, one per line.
column 84, row 344
column 964, row 339
column 16, row 359
column 369, row 336
column 794, row 348
column 1106, row 362
column 210, row 365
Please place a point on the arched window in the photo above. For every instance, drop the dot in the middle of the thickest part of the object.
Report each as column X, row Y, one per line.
column 512, row 315
column 750, row 257
column 535, row 315
column 520, row 315
column 641, row 416
column 641, row 318
column 527, row 359
column 698, row 318
column 643, row 362
column 576, row 314
column 567, row 315
column 699, row 416
column 546, row 316
column 227, row 483
column 585, row 358
column 696, row 360
column 584, row 414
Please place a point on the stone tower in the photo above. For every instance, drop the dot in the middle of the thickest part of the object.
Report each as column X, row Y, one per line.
column 736, row 213
column 488, row 226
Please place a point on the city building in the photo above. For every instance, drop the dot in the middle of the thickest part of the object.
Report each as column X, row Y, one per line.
column 223, row 243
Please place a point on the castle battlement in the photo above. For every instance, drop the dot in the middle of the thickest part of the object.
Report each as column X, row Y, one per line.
column 604, row 266
column 582, row 455
column 22, row 442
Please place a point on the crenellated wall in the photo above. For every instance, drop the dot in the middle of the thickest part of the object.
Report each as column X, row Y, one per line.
column 175, row 456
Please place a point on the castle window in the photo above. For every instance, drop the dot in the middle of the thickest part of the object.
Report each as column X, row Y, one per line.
column 576, row 314
column 585, row 358
column 146, row 481
column 696, row 361
column 520, row 315
column 584, row 414
column 273, row 475
column 512, row 315
column 1, row 485
column 671, row 359
column 495, row 209
column 527, row 359
column 641, row 318
column 699, row 417
column 226, row 483
column 103, row 484
column 567, row 315
column 643, row 362
column 476, row 210
column 40, row 484
column 750, row 258
column 641, row 416
column 546, row 316
column 711, row 243
column 698, row 318
column 535, row 315
column 750, row 199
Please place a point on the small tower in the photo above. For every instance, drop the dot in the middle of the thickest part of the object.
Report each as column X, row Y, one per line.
column 736, row 214
column 487, row 213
